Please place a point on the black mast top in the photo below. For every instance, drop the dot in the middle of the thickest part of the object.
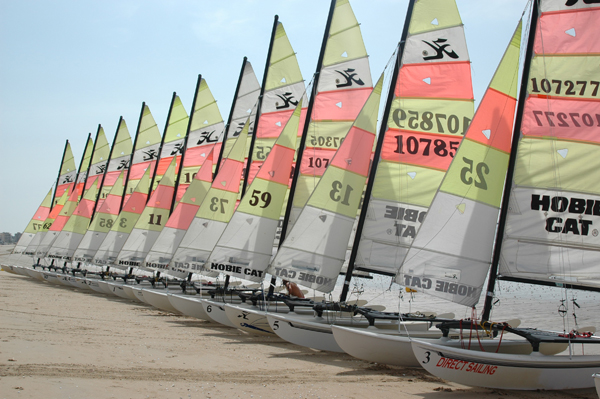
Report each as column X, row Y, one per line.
column 489, row 296
column 377, row 154
column 259, row 106
column 233, row 104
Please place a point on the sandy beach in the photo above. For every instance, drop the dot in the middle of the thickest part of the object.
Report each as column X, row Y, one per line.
column 58, row 342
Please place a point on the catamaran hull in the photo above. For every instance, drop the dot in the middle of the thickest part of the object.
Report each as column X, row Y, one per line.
column 129, row 290
column 79, row 282
column 35, row 273
column 116, row 288
column 189, row 305
column 50, row 277
column 597, row 382
column 505, row 371
column 216, row 312
column 303, row 331
column 159, row 299
column 249, row 319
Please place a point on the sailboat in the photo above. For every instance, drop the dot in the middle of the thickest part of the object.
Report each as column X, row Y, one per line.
column 546, row 223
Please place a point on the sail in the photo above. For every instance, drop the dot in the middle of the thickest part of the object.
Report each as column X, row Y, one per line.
column 66, row 175
column 551, row 232
column 168, row 241
column 151, row 221
column 85, row 164
column 344, row 84
column 214, row 212
column 58, row 224
column 430, row 112
column 70, row 236
column 246, row 245
column 244, row 108
column 174, row 139
column 451, row 254
column 206, row 134
column 120, row 157
column 124, row 223
column 99, row 159
column 102, row 222
column 284, row 88
column 145, row 153
column 314, row 250
column 39, row 237
column 35, row 224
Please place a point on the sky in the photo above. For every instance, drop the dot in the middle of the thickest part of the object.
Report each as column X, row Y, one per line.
column 67, row 66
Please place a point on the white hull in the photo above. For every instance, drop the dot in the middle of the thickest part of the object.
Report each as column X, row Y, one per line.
column 94, row 285
column 394, row 348
column 63, row 279
column 189, row 305
column 129, row 290
column 216, row 312
column 159, row 299
column 79, row 282
column 505, row 371
column 50, row 277
column 307, row 330
column 138, row 292
column 35, row 273
column 248, row 318
column 597, row 382
column 117, row 289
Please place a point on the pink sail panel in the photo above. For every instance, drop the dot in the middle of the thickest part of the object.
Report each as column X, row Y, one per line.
column 136, row 203
column 161, row 197
column 435, row 80
column 42, row 213
column 570, row 119
column 229, row 176
column 271, row 124
column 85, row 208
column 423, row 149
column 316, row 160
column 182, row 216
column 339, row 105
column 496, row 113
column 568, row 32
column 61, row 220
column 271, row 169
column 164, row 163
column 351, row 155
column 111, row 205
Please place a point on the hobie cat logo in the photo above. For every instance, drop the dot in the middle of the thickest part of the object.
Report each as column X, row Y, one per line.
column 350, row 76
column 207, row 137
column 575, row 206
column 287, row 98
column 123, row 165
column 178, row 149
column 67, row 179
column 570, row 3
column 150, row 155
column 440, row 47
column 100, row 169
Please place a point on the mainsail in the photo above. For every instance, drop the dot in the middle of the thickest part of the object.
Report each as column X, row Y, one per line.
column 66, row 175
column 120, row 157
column 451, row 254
column 124, row 223
column 99, row 159
column 246, row 245
column 151, row 221
column 314, row 251
column 145, row 153
column 214, row 212
column 343, row 85
column 430, row 112
column 85, row 164
column 39, row 236
column 551, row 231
column 35, row 224
column 102, row 222
column 205, row 136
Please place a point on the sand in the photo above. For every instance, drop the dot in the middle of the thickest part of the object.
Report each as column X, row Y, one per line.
column 58, row 342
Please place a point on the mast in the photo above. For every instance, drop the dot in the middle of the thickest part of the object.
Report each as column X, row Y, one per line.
column 377, row 154
column 184, row 149
column 489, row 296
column 137, row 133
column 237, row 90
column 162, row 142
column 60, row 170
column 288, row 208
column 258, row 108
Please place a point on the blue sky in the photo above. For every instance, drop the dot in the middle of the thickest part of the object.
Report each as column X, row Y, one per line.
column 69, row 65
